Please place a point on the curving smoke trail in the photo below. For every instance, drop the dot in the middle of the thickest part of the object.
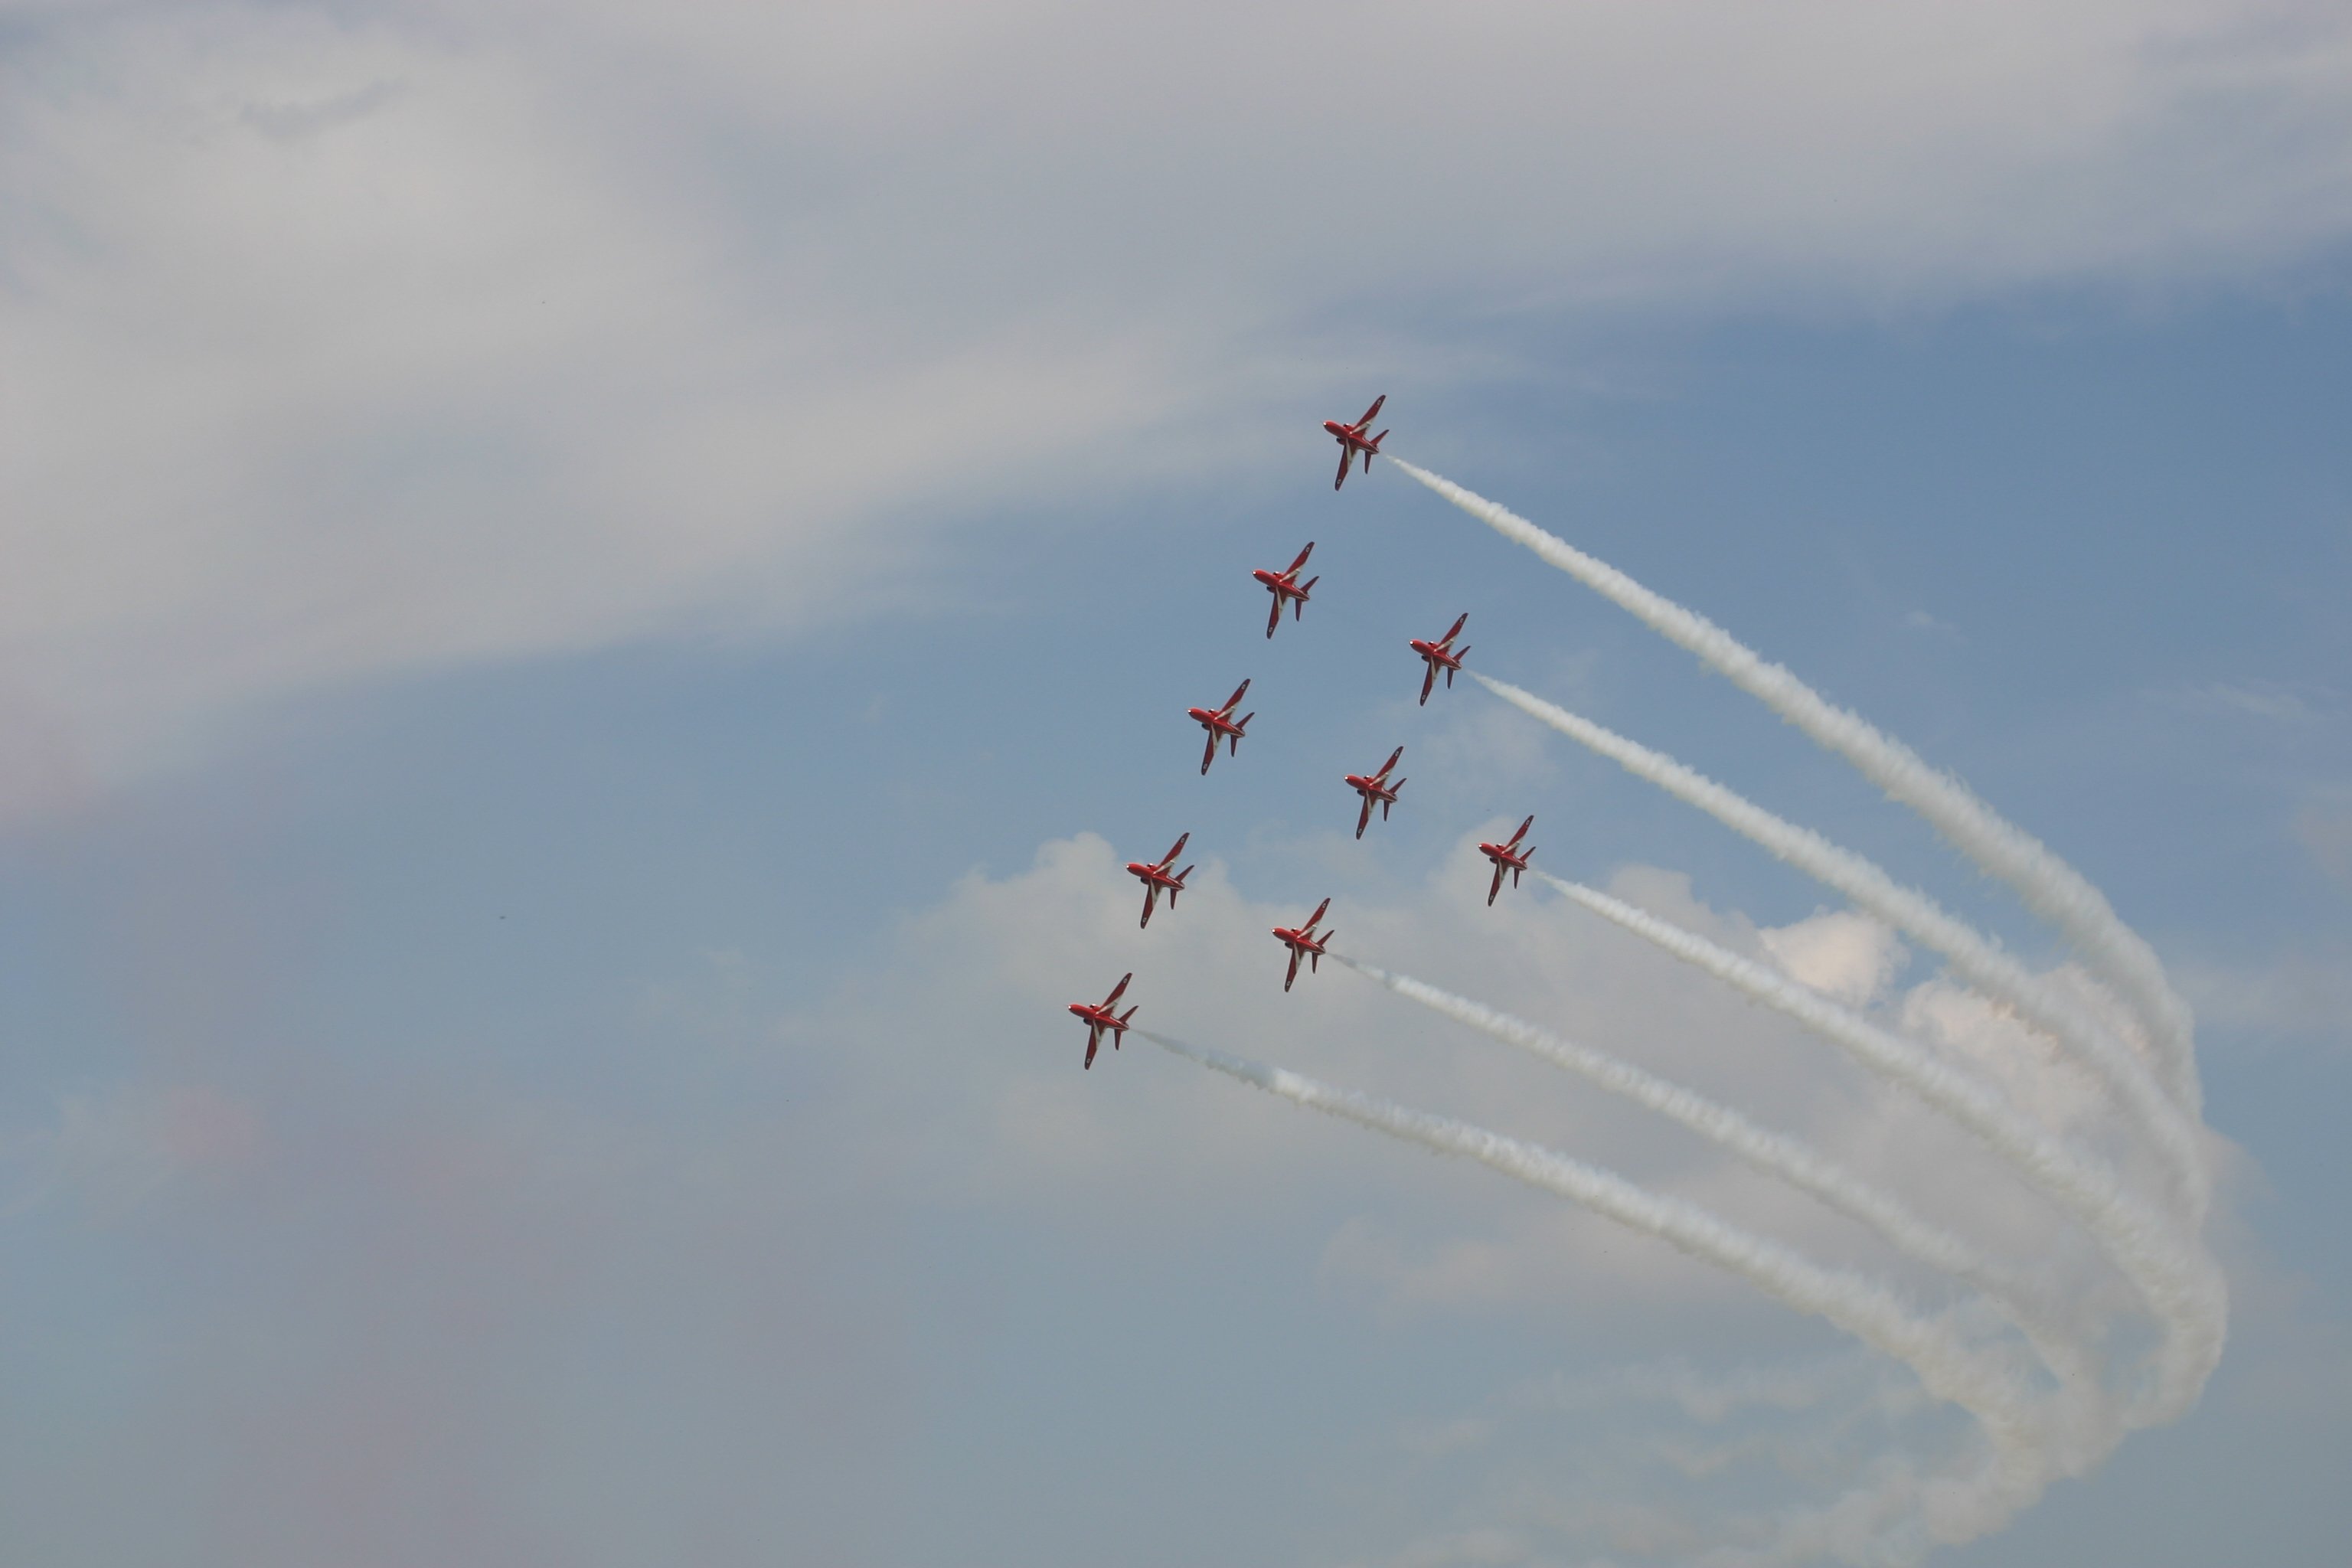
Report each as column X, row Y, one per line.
column 2179, row 1282
column 2031, row 1442
column 1792, row 1160
column 1950, row 1368
column 1973, row 957
column 2050, row 886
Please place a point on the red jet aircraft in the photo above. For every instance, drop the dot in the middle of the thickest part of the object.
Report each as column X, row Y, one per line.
column 1304, row 944
column 1352, row 439
column 1376, row 787
column 1286, row 588
column 1098, row 1016
column 1222, row 725
column 1158, row 878
column 1441, row 654
column 1508, row 856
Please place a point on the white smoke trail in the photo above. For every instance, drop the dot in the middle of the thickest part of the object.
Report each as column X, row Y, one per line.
column 2179, row 1282
column 1790, row 1158
column 1972, row 956
column 2049, row 887
column 1950, row 1369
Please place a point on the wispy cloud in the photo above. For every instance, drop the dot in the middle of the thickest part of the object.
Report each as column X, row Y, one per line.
column 2302, row 995
column 2298, row 707
column 112, row 1153
column 375, row 339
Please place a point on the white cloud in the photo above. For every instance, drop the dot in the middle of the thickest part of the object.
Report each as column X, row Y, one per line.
column 361, row 339
column 421, row 1273
column 1844, row 954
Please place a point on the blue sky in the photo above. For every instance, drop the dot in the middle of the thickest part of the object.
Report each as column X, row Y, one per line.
column 598, row 596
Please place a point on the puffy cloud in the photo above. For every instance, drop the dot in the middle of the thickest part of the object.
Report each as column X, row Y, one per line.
column 1847, row 955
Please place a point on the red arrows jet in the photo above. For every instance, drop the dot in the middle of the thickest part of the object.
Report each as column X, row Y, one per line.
column 1376, row 787
column 1508, row 856
column 1441, row 654
column 1158, row 878
column 1098, row 1016
column 1286, row 588
column 1352, row 439
column 1222, row 725
column 1304, row 944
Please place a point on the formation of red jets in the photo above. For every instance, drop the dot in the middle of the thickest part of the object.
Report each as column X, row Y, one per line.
column 1304, row 941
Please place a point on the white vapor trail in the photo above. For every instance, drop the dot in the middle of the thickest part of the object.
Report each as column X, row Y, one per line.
column 2050, row 886
column 1973, row 957
column 1862, row 1308
column 1790, row 1158
column 2178, row 1280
